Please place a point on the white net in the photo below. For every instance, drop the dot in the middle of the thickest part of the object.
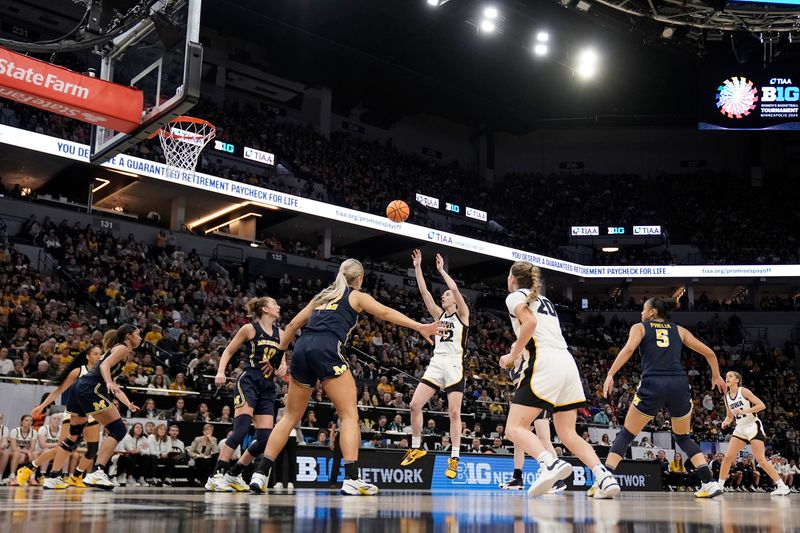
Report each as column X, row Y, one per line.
column 182, row 140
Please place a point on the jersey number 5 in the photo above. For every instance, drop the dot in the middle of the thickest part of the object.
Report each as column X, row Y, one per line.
column 662, row 338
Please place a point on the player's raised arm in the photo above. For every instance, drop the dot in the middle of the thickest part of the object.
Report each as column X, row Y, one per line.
column 434, row 310
column 463, row 309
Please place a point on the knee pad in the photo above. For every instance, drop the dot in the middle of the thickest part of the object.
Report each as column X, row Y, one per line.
column 76, row 430
column 68, row 445
column 259, row 443
column 116, row 429
column 241, row 426
column 91, row 450
column 622, row 442
column 687, row 444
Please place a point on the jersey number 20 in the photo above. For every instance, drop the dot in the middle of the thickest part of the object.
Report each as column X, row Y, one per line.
column 546, row 308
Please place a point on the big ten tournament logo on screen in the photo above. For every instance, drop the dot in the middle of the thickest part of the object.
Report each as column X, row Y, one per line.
column 737, row 97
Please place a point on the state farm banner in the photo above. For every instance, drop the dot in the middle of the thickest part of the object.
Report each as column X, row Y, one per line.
column 59, row 90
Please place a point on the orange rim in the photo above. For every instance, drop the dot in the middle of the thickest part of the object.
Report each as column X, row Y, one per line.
column 183, row 118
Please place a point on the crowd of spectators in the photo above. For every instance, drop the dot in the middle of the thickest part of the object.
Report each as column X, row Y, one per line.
column 188, row 310
column 726, row 217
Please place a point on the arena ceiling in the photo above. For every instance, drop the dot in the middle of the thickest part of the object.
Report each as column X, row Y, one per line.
column 396, row 57
column 391, row 58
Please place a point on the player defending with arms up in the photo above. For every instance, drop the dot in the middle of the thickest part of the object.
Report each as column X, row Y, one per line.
column 446, row 368
column 318, row 355
column 664, row 384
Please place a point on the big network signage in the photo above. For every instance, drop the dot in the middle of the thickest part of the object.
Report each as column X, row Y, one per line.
column 481, row 472
column 382, row 468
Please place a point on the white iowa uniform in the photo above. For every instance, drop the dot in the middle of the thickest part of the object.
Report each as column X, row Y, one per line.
column 446, row 369
column 748, row 426
column 49, row 437
column 65, row 419
column 25, row 441
column 546, row 375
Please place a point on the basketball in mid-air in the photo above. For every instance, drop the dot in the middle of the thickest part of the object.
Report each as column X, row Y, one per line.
column 398, row 211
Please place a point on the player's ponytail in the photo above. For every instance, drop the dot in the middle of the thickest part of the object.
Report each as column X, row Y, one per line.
column 528, row 277
column 663, row 306
column 117, row 336
column 77, row 362
column 255, row 306
column 348, row 273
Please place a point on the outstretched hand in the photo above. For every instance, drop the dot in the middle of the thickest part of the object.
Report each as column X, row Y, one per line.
column 608, row 385
column 37, row 411
column 113, row 388
column 429, row 330
column 282, row 369
column 718, row 383
column 416, row 258
column 439, row 262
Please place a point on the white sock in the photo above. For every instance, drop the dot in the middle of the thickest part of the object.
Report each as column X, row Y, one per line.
column 455, row 452
column 546, row 459
column 599, row 470
column 721, row 483
column 416, row 442
column 780, row 483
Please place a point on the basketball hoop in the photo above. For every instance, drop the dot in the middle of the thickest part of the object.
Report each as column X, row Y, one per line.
column 182, row 139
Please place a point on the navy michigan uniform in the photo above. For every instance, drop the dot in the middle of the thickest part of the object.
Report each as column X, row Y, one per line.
column 318, row 353
column 664, row 380
column 255, row 386
column 89, row 395
column 65, row 419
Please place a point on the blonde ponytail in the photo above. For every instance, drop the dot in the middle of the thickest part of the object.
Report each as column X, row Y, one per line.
column 528, row 277
column 349, row 270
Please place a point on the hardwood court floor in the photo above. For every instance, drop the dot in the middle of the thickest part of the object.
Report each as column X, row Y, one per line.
column 151, row 510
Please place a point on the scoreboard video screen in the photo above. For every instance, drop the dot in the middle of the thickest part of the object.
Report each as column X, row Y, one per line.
column 741, row 97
